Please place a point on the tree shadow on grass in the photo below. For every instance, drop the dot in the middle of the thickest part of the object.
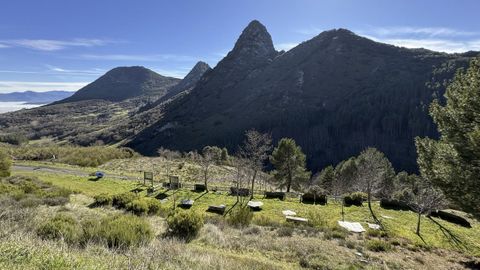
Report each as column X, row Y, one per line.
column 451, row 237
column 203, row 194
column 231, row 208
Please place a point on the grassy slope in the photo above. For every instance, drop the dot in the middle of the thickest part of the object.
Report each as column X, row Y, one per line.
column 401, row 225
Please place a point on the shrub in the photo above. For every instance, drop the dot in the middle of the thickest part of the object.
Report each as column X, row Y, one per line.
column 285, row 231
column 5, row 164
column 184, row 224
column 121, row 200
column 354, row 198
column 394, row 204
column 316, row 219
column 264, row 220
column 138, row 207
column 73, row 155
column 14, row 139
column 62, row 226
column 378, row 245
column 335, row 233
column 240, row 216
column 36, row 192
column 154, row 206
column 102, row 200
column 123, row 231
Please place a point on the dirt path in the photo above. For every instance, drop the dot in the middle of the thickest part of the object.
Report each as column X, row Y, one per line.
column 48, row 169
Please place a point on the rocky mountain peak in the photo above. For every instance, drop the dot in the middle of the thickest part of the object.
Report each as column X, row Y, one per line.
column 254, row 41
column 198, row 70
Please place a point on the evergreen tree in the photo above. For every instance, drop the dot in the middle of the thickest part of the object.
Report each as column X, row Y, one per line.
column 326, row 179
column 453, row 162
column 289, row 162
column 5, row 164
column 344, row 177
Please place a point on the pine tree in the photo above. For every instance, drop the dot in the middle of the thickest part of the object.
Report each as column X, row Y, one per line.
column 453, row 162
column 289, row 162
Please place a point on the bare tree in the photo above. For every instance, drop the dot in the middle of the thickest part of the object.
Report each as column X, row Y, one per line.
column 423, row 198
column 168, row 156
column 255, row 151
column 206, row 160
column 374, row 172
column 241, row 176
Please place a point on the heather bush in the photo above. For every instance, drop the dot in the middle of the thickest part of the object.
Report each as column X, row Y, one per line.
column 183, row 224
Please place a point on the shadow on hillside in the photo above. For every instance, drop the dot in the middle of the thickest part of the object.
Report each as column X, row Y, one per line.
column 452, row 238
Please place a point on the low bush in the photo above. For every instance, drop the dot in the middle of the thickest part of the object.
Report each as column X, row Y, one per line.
column 123, row 231
column 394, row 204
column 185, row 225
column 264, row 220
column 14, row 139
column 314, row 198
column 316, row 219
column 102, row 200
column 285, row 231
column 154, row 206
column 82, row 156
column 378, row 245
column 335, row 233
column 355, row 198
column 62, row 226
column 240, row 216
column 138, row 207
column 5, row 164
column 121, row 200
column 30, row 191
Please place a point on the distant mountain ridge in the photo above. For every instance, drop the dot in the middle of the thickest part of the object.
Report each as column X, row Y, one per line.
column 122, row 83
column 335, row 94
column 32, row 97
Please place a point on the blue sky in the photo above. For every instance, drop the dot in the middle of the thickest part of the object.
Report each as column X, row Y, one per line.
column 60, row 44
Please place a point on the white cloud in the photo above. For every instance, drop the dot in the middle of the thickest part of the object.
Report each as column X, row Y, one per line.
column 424, row 31
column 439, row 45
column 51, row 70
column 63, row 71
column 310, row 31
column 139, row 57
column 285, row 46
column 17, row 86
column 53, row 45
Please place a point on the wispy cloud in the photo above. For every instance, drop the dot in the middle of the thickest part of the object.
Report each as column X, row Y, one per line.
column 16, row 86
column 64, row 71
column 53, row 45
column 443, row 39
column 441, row 45
column 309, row 31
column 424, row 31
column 139, row 57
column 52, row 70
column 433, row 38
column 286, row 46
